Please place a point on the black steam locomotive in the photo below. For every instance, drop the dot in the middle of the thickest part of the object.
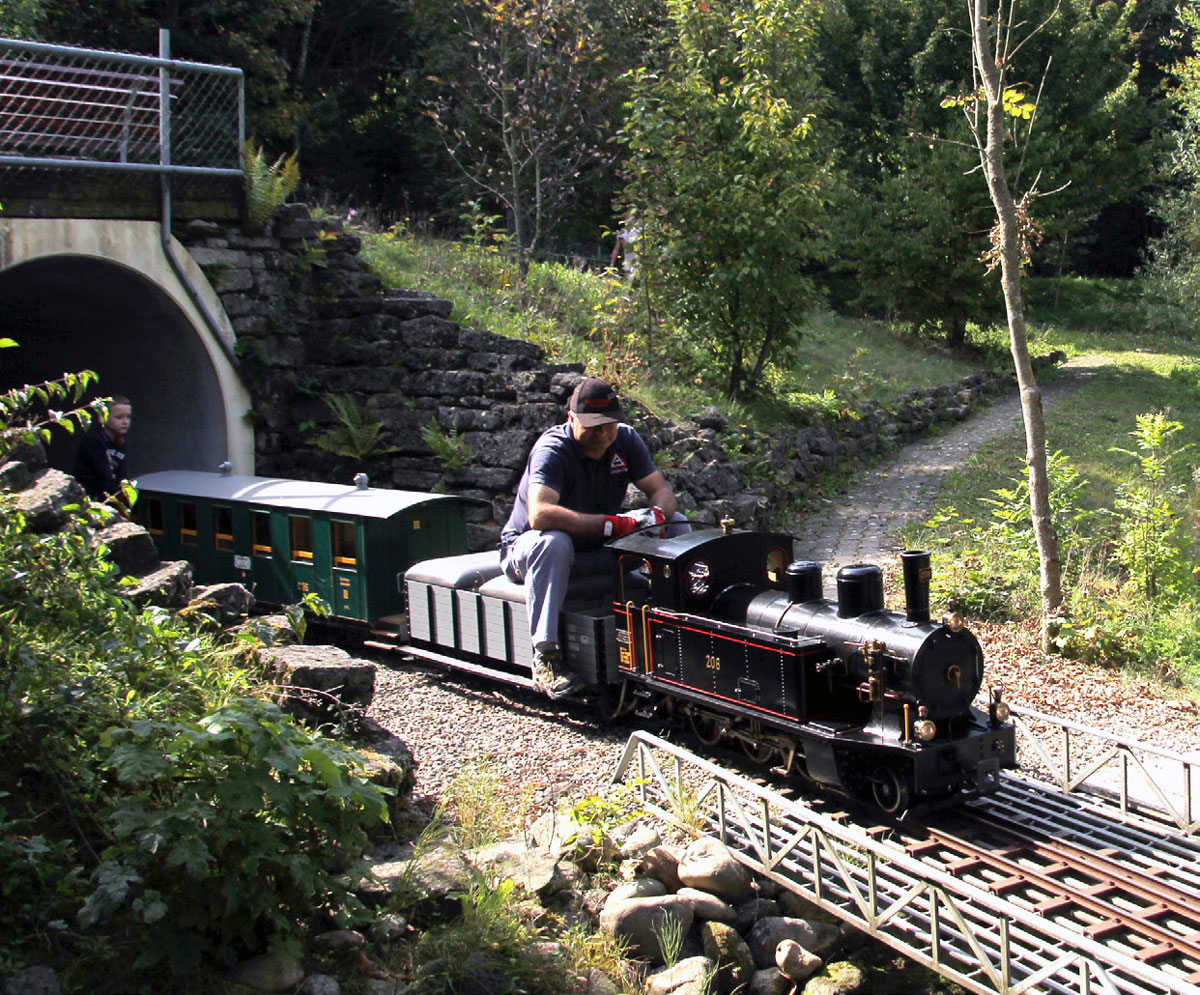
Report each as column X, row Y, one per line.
column 727, row 629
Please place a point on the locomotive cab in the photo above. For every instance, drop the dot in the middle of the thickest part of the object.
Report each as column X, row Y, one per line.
column 687, row 573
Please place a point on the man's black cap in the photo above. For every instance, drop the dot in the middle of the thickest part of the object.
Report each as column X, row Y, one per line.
column 594, row 402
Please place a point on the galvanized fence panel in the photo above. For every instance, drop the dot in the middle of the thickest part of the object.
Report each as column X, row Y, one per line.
column 82, row 108
column 1137, row 777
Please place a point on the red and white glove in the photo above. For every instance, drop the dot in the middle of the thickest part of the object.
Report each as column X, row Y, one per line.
column 649, row 521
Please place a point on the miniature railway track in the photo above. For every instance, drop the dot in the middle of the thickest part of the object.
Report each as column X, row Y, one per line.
column 1099, row 893
column 1125, row 882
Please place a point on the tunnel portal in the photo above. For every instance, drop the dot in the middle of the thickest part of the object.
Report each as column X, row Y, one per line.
column 69, row 313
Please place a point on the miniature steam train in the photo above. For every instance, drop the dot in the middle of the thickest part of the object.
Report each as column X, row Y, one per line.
column 723, row 628
column 727, row 629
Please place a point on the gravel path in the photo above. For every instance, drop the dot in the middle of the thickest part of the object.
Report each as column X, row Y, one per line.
column 861, row 525
column 542, row 751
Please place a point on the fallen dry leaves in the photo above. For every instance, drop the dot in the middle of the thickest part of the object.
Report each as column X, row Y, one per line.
column 1134, row 707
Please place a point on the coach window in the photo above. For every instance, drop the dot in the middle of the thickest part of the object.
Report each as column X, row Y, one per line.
column 150, row 511
column 222, row 527
column 261, row 523
column 345, row 553
column 187, row 523
column 302, row 539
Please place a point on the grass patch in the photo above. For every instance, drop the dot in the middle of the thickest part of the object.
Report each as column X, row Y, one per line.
column 1114, row 507
column 613, row 329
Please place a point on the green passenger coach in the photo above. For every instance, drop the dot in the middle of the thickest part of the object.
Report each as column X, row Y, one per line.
column 284, row 539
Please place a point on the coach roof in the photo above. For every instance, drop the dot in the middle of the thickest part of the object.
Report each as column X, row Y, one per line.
column 276, row 492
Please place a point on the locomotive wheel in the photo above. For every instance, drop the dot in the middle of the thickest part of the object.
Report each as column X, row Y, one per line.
column 889, row 790
column 754, row 747
column 706, row 728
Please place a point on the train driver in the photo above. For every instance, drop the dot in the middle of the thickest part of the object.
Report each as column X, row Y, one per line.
column 568, row 505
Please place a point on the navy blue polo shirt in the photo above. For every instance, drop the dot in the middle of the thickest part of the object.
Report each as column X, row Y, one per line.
column 589, row 486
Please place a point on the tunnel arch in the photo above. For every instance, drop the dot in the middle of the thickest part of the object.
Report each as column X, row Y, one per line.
column 102, row 296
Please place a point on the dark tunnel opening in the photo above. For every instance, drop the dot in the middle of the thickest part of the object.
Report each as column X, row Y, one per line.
column 70, row 313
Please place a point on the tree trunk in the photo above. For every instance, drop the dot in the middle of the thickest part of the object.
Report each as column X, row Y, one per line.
column 992, row 155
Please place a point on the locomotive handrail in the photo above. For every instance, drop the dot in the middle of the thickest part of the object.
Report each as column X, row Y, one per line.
column 1166, row 791
column 975, row 938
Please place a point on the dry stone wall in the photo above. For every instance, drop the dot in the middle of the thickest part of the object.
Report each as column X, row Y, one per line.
column 313, row 321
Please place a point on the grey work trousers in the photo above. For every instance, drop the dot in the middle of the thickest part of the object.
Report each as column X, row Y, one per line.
column 545, row 562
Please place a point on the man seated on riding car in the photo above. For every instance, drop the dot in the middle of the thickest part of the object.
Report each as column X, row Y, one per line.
column 567, row 507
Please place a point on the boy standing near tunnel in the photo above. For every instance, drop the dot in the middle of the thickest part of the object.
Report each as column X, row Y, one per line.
column 100, row 459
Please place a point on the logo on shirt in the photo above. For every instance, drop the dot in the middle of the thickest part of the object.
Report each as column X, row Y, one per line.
column 618, row 464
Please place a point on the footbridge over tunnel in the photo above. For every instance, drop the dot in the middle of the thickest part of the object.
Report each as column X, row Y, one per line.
column 102, row 295
column 100, row 154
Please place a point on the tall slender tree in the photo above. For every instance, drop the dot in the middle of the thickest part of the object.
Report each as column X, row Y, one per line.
column 995, row 42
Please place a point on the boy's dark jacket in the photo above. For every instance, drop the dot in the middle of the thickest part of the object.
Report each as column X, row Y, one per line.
column 100, row 463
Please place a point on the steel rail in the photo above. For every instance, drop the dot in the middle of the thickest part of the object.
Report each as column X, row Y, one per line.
column 981, row 941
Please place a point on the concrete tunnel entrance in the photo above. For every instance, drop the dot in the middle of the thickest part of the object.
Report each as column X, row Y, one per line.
column 70, row 313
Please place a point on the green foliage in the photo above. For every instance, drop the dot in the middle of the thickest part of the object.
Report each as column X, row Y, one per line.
column 728, row 179
column 522, row 109
column 496, row 925
column 994, row 575
column 1148, row 542
column 449, row 449
column 155, row 816
column 484, row 811
column 357, row 435
column 268, row 184
column 275, row 802
column 28, row 413
column 604, row 813
column 19, row 18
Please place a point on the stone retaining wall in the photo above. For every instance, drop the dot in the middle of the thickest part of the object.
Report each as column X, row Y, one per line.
column 312, row 320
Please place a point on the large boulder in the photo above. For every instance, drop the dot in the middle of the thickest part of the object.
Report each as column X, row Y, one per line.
column 130, row 547
column 227, row 603
column 795, row 962
column 321, row 683
column 766, row 935
column 269, row 973
column 707, row 865
column 726, row 948
column 44, row 504
column 534, row 871
column 642, row 922
column 170, row 586
column 686, row 977
column 428, row 882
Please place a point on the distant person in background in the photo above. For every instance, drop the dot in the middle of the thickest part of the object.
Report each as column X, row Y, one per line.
column 627, row 249
column 100, row 460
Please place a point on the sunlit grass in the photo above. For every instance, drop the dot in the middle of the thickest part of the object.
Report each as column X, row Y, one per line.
column 616, row 330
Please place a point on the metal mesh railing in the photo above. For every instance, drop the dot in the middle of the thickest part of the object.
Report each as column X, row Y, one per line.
column 82, row 108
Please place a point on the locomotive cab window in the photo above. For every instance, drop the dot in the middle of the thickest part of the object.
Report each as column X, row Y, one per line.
column 222, row 527
column 187, row 523
column 150, row 511
column 302, row 538
column 261, row 523
column 345, row 552
column 777, row 561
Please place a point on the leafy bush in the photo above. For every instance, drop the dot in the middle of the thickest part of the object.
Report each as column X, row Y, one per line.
column 151, row 808
column 275, row 801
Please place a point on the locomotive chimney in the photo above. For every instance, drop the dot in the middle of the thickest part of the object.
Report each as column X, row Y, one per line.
column 803, row 581
column 859, row 590
column 915, row 564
